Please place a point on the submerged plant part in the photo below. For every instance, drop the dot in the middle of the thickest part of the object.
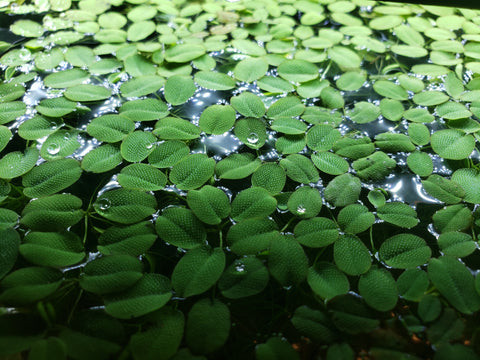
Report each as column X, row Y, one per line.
column 239, row 179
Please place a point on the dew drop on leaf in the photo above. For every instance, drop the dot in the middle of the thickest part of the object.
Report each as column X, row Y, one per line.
column 53, row 149
column 301, row 209
column 252, row 138
column 104, row 204
column 240, row 268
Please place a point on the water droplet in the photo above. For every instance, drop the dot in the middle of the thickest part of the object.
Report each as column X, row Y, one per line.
column 104, row 204
column 301, row 209
column 53, row 125
column 53, row 149
column 67, row 136
column 149, row 146
column 24, row 55
column 240, row 268
column 252, row 138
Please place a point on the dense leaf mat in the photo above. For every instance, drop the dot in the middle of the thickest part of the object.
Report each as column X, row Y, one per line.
column 239, row 179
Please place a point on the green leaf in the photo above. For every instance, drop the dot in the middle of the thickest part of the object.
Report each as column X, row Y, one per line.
column 354, row 148
column 393, row 142
column 51, row 348
column 8, row 218
column 351, row 315
column 52, row 249
column 452, row 218
column 345, row 58
column 330, row 163
column 453, row 111
column 351, row 80
column 399, row 214
column 314, row 324
column 29, row 285
column 343, row 190
column 51, row 177
column 168, row 153
column 60, row 144
column 355, row 218
column 289, row 125
column 250, row 69
column 248, row 104
column 109, row 274
column 56, row 107
column 217, row 119
column 213, row 80
column 364, row 112
column 411, row 83
column 251, row 131
column 137, row 145
column 198, row 270
column 52, row 213
column 405, row 251
column 419, row 134
column 38, row 127
column 248, row 47
column 142, row 177
column 102, row 159
column 420, row 163
column 453, row 85
column 181, row 53
column 9, row 243
column 391, row 109
column 140, row 30
column 445, row 190
column 253, row 202
column 327, row 281
column 290, row 144
column 110, row 128
column 27, row 28
column 251, row 236
column 274, row 85
column 244, row 277
column 299, row 168
column 316, row 232
column 378, row 289
column 192, row 171
column 171, row 128
column 390, row 90
column 16, row 163
column 86, row 92
column 65, row 78
column 412, row 284
column 287, row 262
column 271, row 177
column 429, row 98
column 287, row 106
column 18, row 332
column 9, row 111
column 455, row 282
column 209, row 204
column 180, row 227
column 351, row 255
column 456, row 244
column 305, row 202
column 276, row 347
column 125, row 206
column 131, row 240
column 374, row 167
column 10, row 92
column 297, row 71
column 322, row 137
column 144, row 110
column 80, row 56
column 469, row 180
column 178, row 89
column 148, row 294
column 141, row 86
column 237, row 166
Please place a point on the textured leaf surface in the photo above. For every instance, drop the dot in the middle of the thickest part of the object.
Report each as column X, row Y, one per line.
column 198, row 270
column 405, row 251
column 208, row 326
